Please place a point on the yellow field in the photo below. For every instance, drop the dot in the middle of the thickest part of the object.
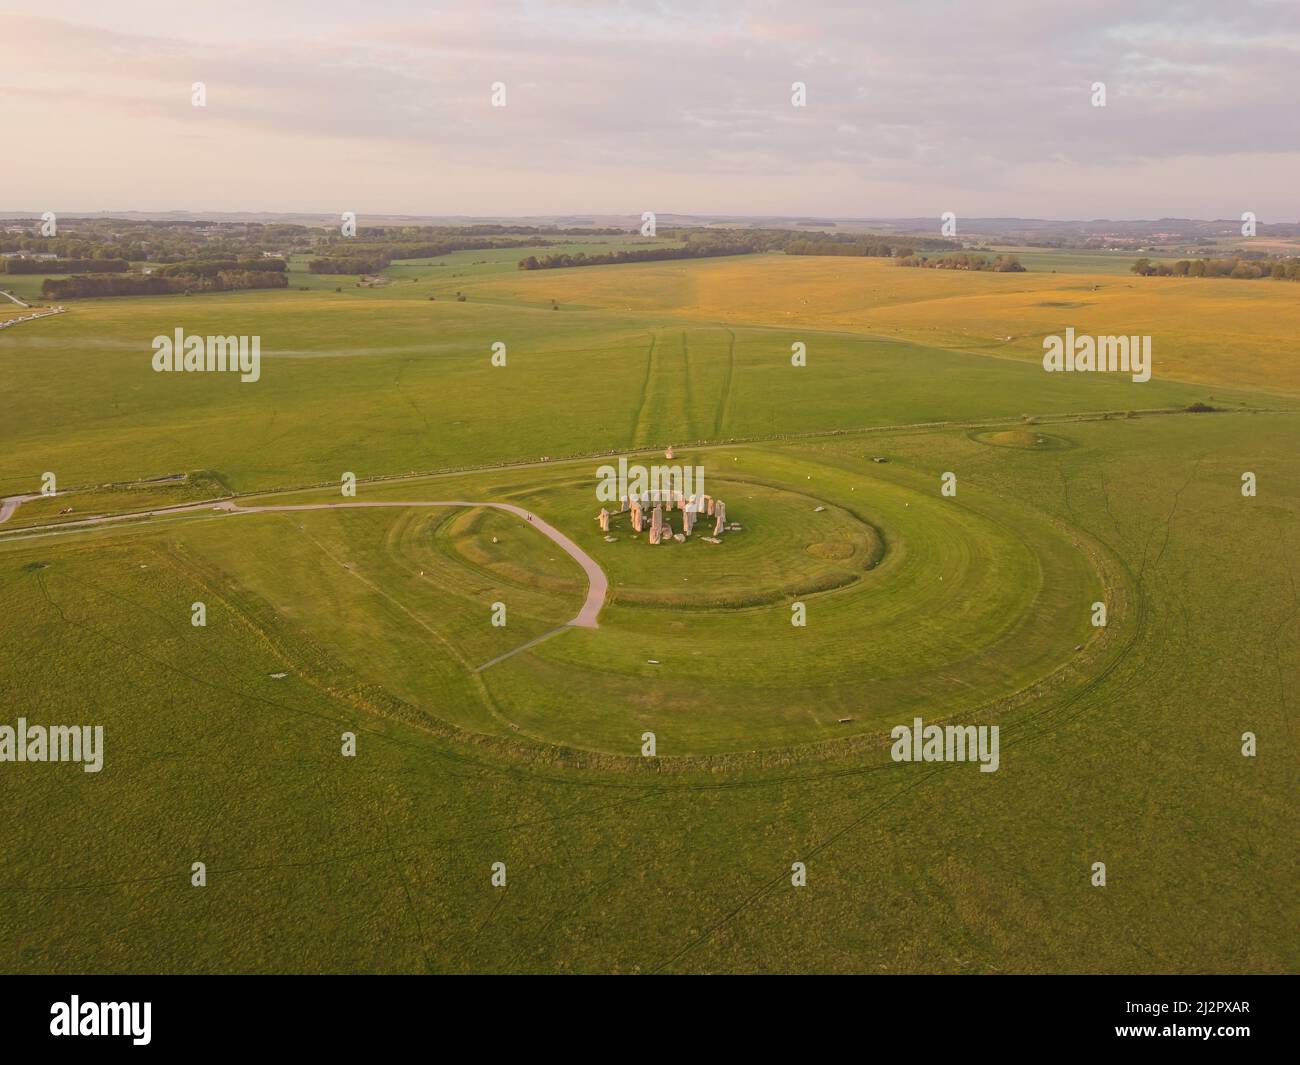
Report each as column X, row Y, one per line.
column 1208, row 331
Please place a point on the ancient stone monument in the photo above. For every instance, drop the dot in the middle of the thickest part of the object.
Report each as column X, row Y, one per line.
column 650, row 507
column 658, row 523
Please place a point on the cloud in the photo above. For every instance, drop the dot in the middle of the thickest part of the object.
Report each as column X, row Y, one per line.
column 939, row 95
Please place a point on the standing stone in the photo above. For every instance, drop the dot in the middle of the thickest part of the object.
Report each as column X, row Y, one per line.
column 720, row 509
column 718, row 526
column 688, row 518
column 622, row 504
column 708, row 505
column 604, row 520
column 669, row 453
column 655, row 534
column 657, row 519
column 637, row 515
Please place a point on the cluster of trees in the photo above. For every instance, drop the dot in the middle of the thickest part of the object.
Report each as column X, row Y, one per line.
column 482, row 229
column 158, row 285
column 1279, row 269
column 691, row 251
column 350, row 264
column 347, row 256
column 157, row 241
column 807, row 242
column 700, row 242
column 964, row 260
column 64, row 266
column 59, row 288
column 756, row 239
column 229, row 280
column 862, row 244
column 844, row 247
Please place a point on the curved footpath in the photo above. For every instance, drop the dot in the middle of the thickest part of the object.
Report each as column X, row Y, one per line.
column 11, row 503
column 597, row 583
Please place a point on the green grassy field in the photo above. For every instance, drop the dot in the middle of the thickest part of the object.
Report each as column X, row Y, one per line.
column 1119, row 744
column 1071, row 261
column 364, row 382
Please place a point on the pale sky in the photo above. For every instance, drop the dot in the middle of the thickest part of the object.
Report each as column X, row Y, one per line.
column 914, row 107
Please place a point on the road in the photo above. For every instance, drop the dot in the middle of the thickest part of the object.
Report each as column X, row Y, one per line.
column 27, row 317
column 11, row 503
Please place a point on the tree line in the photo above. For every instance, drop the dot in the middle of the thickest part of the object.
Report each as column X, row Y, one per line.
column 1279, row 269
column 693, row 251
column 709, row 242
column 409, row 234
column 812, row 242
column 870, row 248
column 350, row 264
column 157, row 284
column 346, row 256
column 964, row 260
column 158, row 241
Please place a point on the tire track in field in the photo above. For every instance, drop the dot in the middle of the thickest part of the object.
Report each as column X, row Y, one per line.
column 1048, row 720
column 217, row 813
column 411, row 908
column 389, row 847
column 1169, row 521
column 397, row 387
column 768, row 886
column 724, row 400
column 645, row 392
column 688, row 405
column 666, row 395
